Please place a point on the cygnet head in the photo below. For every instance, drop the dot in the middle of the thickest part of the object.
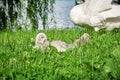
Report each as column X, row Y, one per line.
column 41, row 38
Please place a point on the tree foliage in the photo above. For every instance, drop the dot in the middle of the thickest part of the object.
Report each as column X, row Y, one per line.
column 12, row 10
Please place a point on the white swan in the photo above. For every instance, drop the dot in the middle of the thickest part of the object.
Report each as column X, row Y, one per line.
column 97, row 13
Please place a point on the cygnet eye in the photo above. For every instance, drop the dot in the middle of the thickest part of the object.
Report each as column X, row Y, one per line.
column 42, row 37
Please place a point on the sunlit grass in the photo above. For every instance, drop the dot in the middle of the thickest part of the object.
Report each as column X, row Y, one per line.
column 97, row 60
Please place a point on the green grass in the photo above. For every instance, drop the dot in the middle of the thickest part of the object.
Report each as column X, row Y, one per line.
column 97, row 60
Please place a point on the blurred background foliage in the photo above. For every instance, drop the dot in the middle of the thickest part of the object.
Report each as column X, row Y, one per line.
column 22, row 14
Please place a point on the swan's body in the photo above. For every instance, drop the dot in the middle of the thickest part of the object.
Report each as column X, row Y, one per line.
column 97, row 13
